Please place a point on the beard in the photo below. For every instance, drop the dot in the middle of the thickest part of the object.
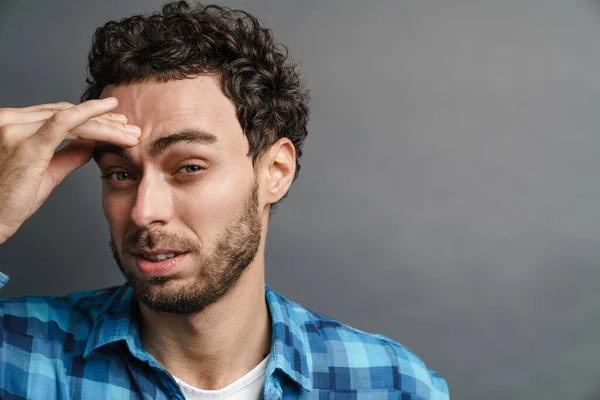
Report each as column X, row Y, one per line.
column 236, row 247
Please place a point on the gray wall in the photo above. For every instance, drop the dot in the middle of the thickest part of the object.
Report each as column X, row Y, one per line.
column 449, row 190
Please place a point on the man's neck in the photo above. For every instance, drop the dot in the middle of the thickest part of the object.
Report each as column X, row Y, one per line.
column 214, row 348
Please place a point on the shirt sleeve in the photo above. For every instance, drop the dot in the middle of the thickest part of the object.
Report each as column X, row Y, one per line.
column 3, row 279
column 439, row 387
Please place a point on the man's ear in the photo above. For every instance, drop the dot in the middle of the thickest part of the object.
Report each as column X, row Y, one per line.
column 278, row 167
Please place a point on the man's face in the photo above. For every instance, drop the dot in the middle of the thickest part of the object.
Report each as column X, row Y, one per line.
column 187, row 189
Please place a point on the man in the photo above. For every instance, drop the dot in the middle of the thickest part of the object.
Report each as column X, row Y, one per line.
column 196, row 120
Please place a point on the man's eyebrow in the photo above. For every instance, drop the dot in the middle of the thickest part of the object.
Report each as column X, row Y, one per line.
column 159, row 146
column 103, row 149
column 188, row 136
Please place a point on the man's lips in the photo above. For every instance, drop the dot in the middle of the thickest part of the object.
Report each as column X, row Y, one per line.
column 155, row 252
column 154, row 268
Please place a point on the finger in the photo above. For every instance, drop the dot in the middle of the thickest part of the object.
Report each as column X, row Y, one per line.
column 116, row 133
column 110, row 121
column 47, row 106
column 114, row 117
column 42, row 115
column 15, row 117
column 73, row 156
column 63, row 122
column 50, row 109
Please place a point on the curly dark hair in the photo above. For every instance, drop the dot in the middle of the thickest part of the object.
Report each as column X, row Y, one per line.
column 185, row 40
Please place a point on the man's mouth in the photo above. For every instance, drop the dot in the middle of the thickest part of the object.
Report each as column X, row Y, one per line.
column 156, row 255
column 159, row 257
column 157, row 263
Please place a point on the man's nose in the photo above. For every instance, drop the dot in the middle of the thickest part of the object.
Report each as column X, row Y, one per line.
column 153, row 203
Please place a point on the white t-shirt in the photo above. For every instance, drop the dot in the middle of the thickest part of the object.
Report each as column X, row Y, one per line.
column 248, row 387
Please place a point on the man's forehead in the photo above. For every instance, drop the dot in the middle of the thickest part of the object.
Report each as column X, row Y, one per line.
column 164, row 108
column 152, row 100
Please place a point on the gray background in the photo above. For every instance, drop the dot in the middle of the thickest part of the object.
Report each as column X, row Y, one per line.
column 449, row 190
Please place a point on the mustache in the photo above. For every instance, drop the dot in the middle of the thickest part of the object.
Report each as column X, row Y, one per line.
column 159, row 239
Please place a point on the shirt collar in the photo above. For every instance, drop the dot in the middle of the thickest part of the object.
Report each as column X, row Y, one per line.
column 290, row 349
column 117, row 321
column 290, row 352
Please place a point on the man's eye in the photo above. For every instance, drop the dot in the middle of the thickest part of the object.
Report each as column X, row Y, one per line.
column 191, row 168
column 117, row 175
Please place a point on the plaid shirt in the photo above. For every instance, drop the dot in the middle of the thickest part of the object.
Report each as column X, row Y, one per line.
column 87, row 346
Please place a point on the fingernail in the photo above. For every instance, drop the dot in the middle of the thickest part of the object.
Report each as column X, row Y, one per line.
column 119, row 117
column 134, row 130
column 109, row 101
column 132, row 136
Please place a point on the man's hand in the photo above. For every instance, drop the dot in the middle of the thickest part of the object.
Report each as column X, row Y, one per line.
column 30, row 166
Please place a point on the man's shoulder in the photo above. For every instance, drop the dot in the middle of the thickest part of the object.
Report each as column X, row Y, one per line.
column 43, row 315
column 352, row 359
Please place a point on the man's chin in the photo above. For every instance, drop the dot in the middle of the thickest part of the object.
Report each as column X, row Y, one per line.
column 163, row 294
column 160, row 287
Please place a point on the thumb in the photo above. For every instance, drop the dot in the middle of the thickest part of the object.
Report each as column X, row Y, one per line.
column 74, row 155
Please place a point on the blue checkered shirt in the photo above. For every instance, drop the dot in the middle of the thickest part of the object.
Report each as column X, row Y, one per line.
column 87, row 346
